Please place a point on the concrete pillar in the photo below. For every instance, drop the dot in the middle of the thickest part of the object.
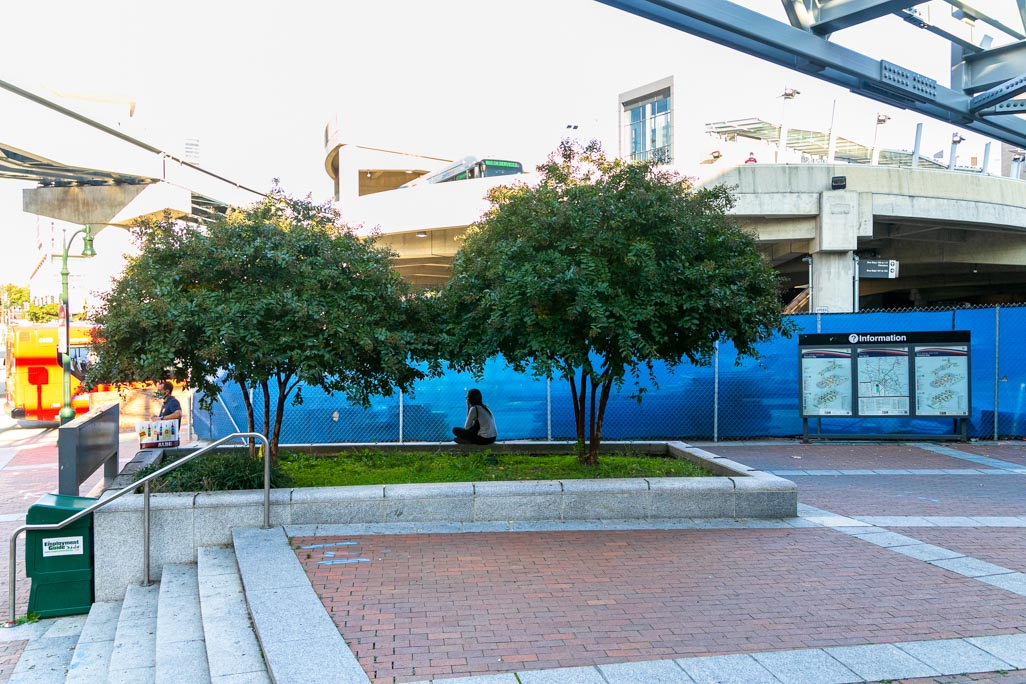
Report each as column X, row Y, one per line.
column 833, row 268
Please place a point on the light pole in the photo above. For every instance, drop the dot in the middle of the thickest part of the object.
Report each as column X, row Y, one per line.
column 64, row 317
column 875, row 154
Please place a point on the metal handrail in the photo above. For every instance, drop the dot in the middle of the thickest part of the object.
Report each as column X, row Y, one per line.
column 145, row 482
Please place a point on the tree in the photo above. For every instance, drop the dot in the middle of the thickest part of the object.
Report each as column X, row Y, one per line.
column 14, row 295
column 600, row 269
column 276, row 295
column 42, row 313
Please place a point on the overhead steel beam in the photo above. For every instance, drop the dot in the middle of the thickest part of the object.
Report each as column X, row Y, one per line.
column 991, row 68
column 834, row 15
column 1005, row 91
column 755, row 34
column 975, row 13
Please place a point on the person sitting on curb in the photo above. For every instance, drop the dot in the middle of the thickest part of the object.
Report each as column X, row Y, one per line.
column 480, row 425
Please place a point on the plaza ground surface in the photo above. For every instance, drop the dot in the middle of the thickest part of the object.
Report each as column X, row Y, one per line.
column 417, row 606
column 896, row 543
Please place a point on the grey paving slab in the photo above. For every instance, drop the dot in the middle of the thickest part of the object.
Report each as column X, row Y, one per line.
column 971, row 567
column 29, row 630
column 66, row 626
column 135, row 675
column 887, row 539
column 1014, row 582
column 290, row 619
column 953, row 656
column 952, row 521
column 232, row 648
column 245, row 678
column 90, row 662
column 308, row 660
column 835, row 521
column 504, row 678
column 217, row 560
column 927, row 552
column 862, row 529
column 650, row 672
column 897, row 520
column 44, row 661
column 101, row 623
column 732, row 669
column 566, row 675
column 893, row 471
column 1010, row 648
column 882, row 661
column 135, row 642
column 182, row 661
column 178, row 580
column 809, row 666
column 1000, row 521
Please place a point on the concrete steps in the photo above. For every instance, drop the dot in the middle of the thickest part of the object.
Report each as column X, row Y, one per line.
column 194, row 626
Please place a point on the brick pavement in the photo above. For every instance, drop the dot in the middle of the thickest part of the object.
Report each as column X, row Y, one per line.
column 990, row 495
column 1002, row 546
column 10, row 652
column 836, row 456
column 452, row 605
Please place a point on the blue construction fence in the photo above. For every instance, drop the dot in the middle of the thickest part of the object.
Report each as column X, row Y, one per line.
column 726, row 400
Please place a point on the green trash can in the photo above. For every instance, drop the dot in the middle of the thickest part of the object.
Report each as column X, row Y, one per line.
column 60, row 562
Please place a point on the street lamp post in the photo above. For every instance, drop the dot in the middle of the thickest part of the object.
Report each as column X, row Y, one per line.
column 63, row 318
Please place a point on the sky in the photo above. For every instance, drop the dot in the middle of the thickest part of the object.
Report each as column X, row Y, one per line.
column 257, row 81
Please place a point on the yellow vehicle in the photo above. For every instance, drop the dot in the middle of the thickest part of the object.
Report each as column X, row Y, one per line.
column 35, row 380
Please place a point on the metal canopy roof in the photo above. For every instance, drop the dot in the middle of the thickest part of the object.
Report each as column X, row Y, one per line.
column 814, row 143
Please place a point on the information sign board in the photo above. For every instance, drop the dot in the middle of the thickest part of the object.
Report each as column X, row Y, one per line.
column 826, row 382
column 883, row 381
column 878, row 268
column 885, row 374
column 942, row 380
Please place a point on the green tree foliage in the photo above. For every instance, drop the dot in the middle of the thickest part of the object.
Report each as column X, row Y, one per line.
column 42, row 313
column 276, row 295
column 14, row 295
column 600, row 269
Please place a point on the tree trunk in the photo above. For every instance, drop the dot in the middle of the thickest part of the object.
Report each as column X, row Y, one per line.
column 279, row 413
column 596, row 429
column 591, row 457
column 250, row 419
column 580, row 408
column 267, row 411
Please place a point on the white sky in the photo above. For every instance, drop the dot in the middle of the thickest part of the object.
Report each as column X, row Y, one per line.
column 257, row 81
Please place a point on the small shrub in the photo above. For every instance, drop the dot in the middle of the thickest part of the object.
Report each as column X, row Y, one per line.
column 228, row 471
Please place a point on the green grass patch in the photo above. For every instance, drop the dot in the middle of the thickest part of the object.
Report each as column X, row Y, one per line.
column 375, row 467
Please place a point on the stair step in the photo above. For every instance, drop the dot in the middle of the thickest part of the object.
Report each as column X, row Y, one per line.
column 91, row 658
column 232, row 648
column 45, row 660
column 301, row 642
column 133, row 659
column 181, row 649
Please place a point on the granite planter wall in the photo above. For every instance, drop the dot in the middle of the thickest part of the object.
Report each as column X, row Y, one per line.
column 181, row 523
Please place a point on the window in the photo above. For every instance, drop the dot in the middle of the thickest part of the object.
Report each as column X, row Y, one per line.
column 648, row 127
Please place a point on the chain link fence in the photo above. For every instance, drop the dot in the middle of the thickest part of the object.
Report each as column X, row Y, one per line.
column 727, row 400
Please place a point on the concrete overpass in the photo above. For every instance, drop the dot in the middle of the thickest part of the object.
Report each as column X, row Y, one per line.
column 91, row 172
column 959, row 237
